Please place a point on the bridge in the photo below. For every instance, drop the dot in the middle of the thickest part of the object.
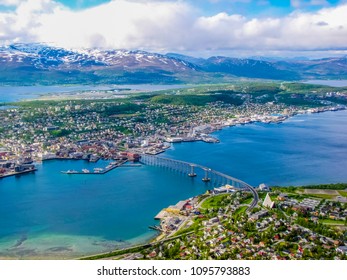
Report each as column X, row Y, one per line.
column 209, row 175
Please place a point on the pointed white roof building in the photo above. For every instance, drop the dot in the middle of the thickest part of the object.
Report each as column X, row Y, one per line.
column 268, row 202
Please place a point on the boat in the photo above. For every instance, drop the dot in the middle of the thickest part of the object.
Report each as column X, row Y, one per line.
column 85, row 171
column 69, row 172
column 210, row 139
column 98, row 170
column 109, row 166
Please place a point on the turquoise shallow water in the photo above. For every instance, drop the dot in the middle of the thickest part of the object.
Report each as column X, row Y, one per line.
column 54, row 215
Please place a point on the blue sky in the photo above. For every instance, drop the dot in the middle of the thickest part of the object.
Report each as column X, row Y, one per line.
column 244, row 7
column 82, row 4
column 206, row 27
column 209, row 7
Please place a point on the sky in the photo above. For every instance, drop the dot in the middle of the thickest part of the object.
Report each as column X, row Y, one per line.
column 311, row 28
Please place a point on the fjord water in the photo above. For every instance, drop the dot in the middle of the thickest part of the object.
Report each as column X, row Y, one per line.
column 332, row 83
column 305, row 149
column 54, row 215
column 18, row 93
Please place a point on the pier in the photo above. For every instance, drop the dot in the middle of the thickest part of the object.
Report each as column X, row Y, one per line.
column 131, row 165
column 96, row 172
column 210, row 176
column 17, row 173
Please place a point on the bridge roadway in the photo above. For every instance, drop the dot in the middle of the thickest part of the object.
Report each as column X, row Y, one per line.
column 210, row 175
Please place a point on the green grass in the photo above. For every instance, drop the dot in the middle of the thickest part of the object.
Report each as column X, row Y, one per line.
column 241, row 210
column 262, row 195
column 323, row 196
column 285, row 189
column 293, row 189
column 298, row 192
column 330, row 221
column 214, row 201
column 202, row 197
column 123, row 109
column 117, row 253
column 246, row 201
column 343, row 193
column 195, row 226
column 196, row 99
column 338, row 186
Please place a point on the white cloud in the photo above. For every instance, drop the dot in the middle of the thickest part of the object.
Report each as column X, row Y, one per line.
column 22, row 24
column 119, row 24
column 10, row 2
column 170, row 26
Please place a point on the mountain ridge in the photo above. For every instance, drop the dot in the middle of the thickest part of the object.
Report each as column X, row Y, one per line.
column 40, row 63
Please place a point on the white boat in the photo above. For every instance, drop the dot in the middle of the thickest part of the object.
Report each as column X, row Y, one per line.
column 69, row 172
column 98, row 170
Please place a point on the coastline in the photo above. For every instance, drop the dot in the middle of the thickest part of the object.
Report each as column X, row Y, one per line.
column 207, row 139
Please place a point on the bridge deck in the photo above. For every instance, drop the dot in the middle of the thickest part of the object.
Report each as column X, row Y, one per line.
column 190, row 167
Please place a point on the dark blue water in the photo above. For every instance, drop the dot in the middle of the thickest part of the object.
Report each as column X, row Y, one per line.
column 306, row 149
column 51, row 214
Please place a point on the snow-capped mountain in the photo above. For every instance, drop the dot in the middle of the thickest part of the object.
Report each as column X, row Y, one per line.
column 45, row 57
column 42, row 64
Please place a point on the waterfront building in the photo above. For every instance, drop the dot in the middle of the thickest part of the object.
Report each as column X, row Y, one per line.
column 264, row 187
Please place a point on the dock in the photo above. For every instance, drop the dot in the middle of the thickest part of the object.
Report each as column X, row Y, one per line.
column 96, row 172
column 157, row 228
column 17, row 173
column 131, row 165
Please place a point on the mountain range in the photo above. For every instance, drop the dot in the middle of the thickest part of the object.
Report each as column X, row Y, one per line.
column 27, row 64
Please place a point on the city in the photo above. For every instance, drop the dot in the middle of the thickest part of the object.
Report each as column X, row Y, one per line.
column 105, row 128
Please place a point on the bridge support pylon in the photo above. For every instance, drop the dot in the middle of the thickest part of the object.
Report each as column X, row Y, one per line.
column 206, row 178
column 192, row 173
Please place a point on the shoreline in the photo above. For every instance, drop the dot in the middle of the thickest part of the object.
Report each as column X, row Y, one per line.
column 18, row 173
column 82, row 91
column 209, row 139
column 183, row 229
